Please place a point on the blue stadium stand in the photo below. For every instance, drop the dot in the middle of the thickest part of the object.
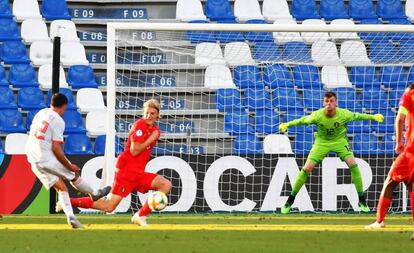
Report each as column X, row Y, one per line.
column 29, row 118
column 68, row 93
column 14, row 52
column 81, row 76
column 23, row 75
column 383, row 52
column 199, row 36
column 55, row 9
column 257, row 99
column 237, row 123
column 306, row 76
column 388, row 144
column 99, row 148
column 313, row 99
column 247, row 76
column 9, row 30
column 266, row 52
column 73, row 122
column 390, row 9
column 333, row 9
column 364, row 77
column 217, row 10
column 5, row 11
column 7, row 98
column 296, row 51
column 359, row 126
column 258, row 36
column 78, row 144
column 247, row 144
column 362, row 9
column 366, row 144
column 3, row 78
column 266, row 121
column 226, row 37
column 304, row 9
column 406, row 50
column 387, row 126
column 229, row 100
column 285, row 99
column 277, row 75
column 1, row 147
column 11, row 121
column 372, row 36
column 394, row 97
column 373, row 99
column 394, row 77
column 347, row 99
column 400, row 37
column 303, row 143
column 30, row 98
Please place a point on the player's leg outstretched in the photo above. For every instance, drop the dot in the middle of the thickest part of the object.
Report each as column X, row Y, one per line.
column 82, row 186
column 357, row 181
column 64, row 201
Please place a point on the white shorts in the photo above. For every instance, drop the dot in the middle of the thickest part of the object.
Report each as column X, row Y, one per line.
column 49, row 172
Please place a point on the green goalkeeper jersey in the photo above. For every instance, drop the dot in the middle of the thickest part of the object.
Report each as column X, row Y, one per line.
column 330, row 128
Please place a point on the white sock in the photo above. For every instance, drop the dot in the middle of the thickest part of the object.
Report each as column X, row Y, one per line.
column 82, row 186
column 64, row 202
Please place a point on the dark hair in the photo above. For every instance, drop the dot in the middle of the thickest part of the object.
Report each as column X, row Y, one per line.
column 59, row 100
column 330, row 94
column 411, row 86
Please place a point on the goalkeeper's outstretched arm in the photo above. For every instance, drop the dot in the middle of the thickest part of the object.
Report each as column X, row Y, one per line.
column 305, row 120
column 363, row 116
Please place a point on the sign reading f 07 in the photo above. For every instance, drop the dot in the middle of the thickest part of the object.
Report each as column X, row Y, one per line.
column 109, row 13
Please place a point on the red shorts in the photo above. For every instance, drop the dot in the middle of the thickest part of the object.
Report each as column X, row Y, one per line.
column 142, row 183
column 400, row 169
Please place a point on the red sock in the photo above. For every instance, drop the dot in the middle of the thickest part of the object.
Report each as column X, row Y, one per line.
column 412, row 204
column 382, row 208
column 85, row 202
column 145, row 210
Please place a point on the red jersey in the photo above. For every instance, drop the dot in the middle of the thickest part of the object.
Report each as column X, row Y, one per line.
column 407, row 100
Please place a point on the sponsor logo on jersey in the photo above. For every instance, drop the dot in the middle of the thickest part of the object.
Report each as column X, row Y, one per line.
column 336, row 124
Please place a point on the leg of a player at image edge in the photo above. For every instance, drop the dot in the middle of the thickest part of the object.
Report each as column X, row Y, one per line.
column 64, row 201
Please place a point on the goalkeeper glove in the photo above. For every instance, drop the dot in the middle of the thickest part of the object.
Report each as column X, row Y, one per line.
column 379, row 117
column 283, row 127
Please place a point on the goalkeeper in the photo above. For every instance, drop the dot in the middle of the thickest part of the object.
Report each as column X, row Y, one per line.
column 331, row 136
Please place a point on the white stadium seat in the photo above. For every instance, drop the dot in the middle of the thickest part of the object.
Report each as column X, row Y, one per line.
column 41, row 52
column 34, row 30
column 343, row 35
column 276, row 9
column 409, row 9
column 283, row 37
column 65, row 29
column 325, row 53
column 96, row 122
column 238, row 53
column 45, row 77
column 310, row 37
column 187, row 10
column 207, row 53
column 26, row 9
column 15, row 143
column 73, row 53
column 277, row 144
column 90, row 99
column 335, row 77
column 247, row 10
column 353, row 52
column 218, row 76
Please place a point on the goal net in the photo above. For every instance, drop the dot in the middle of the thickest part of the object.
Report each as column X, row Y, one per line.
column 225, row 88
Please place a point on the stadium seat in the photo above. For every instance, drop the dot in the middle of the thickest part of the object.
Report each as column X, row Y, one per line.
column 218, row 76
column 313, row 99
column 258, row 36
column 383, row 52
column 90, row 99
column 333, row 9
column 393, row 77
column 354, row 53
column 11, row 121
column 401, row 37
column 411, row 74
column 55, row 9
column 293, row 114
column 362, row 9
column 3, row 78
column 200, row 36
column 374, row 99
column 29, row 118
column 81, row 76
column 257, row 99
column 7, row 98
column 65, row 29
column 358, row 127
column 68, row 93
column 26, row 9
column 187, row 10
column 283, row 37
column 208, row 53
column 238, row 53
column 303, row 143
column 347, row 99
column 218, row 10
column 99, row 148
column 335, row 77
column 364, row 77
column 390, row 9
column 237, row 123
column 409, row 9
column 325, row 53
column 78, row 144
column 394, row 97
column 229, row 100
column 31, row 98
column 34, row 30
column 9, row 30
column 15, row 143
column 45, row 77
column 5, row 11
column 96, row 122
column 41, row 52
column 388, row 144
column 248, row 76
column 246, row 10
column 296, row 51
column 277, row 75
column 306, row 76
column 311, row 37
column 304, row 9
column 285, row 99
column 247, row 144
column 372, row 36
column 226, row 37
column 1, row 147
column 406, row 51
column 266, row 121
column 387, row 126
column 343, row 35
column 73, row 122
column 22, row 75
column 366, row 144
column 73, row 53
column 276, row 9
column 277, row 144
column 266, row 52
column 14, row 52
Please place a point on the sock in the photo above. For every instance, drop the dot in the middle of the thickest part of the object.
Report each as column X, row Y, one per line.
column 82, row 186
column 145, row 210
column 412, row 204
column 382, row 208
column 85, row 202
column 300, row 180
column 357, row 179
column 64, row 202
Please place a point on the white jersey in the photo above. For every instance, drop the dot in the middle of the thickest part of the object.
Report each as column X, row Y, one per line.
column 47, row 127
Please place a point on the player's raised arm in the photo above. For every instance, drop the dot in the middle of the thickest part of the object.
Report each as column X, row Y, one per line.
column 305, row 120
column 364, row 116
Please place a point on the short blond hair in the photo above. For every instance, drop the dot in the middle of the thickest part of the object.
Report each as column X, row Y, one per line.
column 152, row 103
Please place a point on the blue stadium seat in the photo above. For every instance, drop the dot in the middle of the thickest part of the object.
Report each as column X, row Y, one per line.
column 394, row 97
column 23, row 75
column 67, row 93
column 387, row 126
column 1, row 147
column 247, row 144
column 78, row 144
column 285, row 99
column 229, row 100
column 81, row 76
column 296, row 51
column 199, row 36
column 303, row 143
column 257, row 99
column 3, row 78
column 372, row 36
column 55, row 9
column 247, row 76
column 5, row 11
column 306, row 76
column 9, row 30
column 411, row 74
column 7, row 98
column 347, row 99
column 362, row 9
column 218, row 10
column 393, row 77
column 383, row 52
column 304, row 9
column 366, row 144
column 31, row 98
column 313, row 99
column 400, row 37
column 406, row 50
column 237, row 123
column 226, row 37
column 333, row 9
column 359, row 126
column 29, row 118
column 364, row 77
column 388, row 144
column 293, row 114
column 14, row 52
column 374, row 99
column 11, row 121
column 258, row 36
column 73, row 122
column 99, row 148
column 390, row 9
column 266, row 121
column 277, row 75
column 266, row 52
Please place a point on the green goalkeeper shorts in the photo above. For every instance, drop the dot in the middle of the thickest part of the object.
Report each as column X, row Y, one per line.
column 321, row 149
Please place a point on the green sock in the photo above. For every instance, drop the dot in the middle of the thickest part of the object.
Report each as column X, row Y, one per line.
column 357, row 179
column 300, row 180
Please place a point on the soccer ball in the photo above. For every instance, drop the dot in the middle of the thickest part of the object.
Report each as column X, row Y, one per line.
column 157, row 201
